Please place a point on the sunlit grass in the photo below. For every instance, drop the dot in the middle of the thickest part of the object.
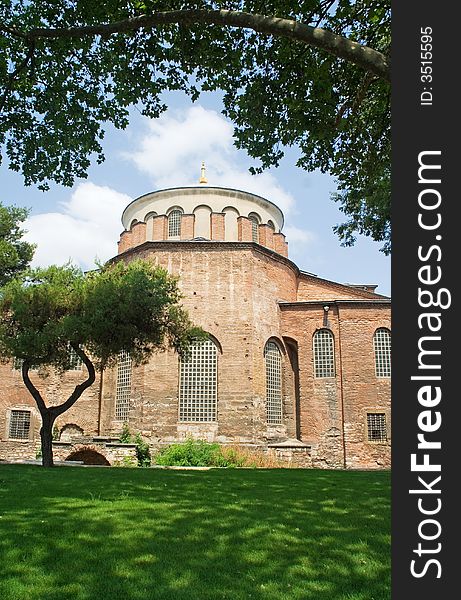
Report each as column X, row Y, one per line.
column 141, row 534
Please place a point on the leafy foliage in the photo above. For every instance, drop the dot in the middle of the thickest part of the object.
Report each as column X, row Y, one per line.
column 60, row 89
column 198, row 453
column 142, row 447
column 125, row 436
column 132, row 307
column 191, row 453
column 15, row 253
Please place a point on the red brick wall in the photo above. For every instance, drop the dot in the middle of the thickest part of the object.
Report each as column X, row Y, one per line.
column 355, row 390
column 159, row 227
column 232, row 294
column 244, row 229
column 125, row 241
column 54, row 390
column 280, row 244
column 316, row 288
column 217, row 226
column 233, row 291
column 138, row 234
column 187, row 227
column 266, row 236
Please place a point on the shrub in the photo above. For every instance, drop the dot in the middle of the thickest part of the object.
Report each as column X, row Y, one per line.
column 198, row 453
column 125, row 437
column 142, row 451
column 192, row 453
column 142, row 447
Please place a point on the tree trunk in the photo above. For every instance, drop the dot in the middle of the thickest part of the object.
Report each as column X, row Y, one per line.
column 46, row 436
column 49, row 415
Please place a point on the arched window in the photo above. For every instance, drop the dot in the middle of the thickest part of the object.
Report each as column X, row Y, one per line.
column 271, row 225
column 174, row 223
column 123, row 389
column 198, row 384
column 382, row 346
column 273, row 359
column 255, row 220
column 324, row 356
column 69, row 431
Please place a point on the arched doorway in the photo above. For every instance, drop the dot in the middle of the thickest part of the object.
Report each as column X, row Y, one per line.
column 89, row 457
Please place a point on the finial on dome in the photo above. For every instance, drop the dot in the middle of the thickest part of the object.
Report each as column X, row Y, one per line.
column 203, row 178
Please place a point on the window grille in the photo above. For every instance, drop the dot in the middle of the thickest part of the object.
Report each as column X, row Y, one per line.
column 19, row 424
column 273, row 383
column 174, row 223
column 17, row 364
column 75, row 362
column 376, row 424
column 198, row 390
column 123, row 390
column 254, row 228
column 382, row 345
column 324, row 357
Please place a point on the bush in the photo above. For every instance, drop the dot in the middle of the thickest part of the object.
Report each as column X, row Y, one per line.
column 142, row 447
column 192, row 453
column 197, row 453
column 125, row 437
column 142, row 451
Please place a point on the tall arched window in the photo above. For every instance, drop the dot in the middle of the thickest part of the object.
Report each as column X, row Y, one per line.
column 255, row 220
column 324, row 356
column 123, row 389
column 198, row 384
column 382, row 347
column 174, row 223
column 273, row 359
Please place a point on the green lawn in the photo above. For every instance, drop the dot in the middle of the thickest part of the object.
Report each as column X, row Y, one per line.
column 140, row 534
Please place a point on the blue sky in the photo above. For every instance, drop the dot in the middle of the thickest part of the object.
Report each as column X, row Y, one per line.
column 83, row 223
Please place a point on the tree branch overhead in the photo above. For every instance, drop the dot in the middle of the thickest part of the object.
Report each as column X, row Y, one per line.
column 337, row 45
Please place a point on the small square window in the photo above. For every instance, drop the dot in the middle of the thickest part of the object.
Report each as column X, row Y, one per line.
column 376, row 425
column 19, row 424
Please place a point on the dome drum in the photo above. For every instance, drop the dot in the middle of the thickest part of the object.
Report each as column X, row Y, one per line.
column 210, row 213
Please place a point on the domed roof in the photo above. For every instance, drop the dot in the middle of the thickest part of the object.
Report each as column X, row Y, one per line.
column 192, row 198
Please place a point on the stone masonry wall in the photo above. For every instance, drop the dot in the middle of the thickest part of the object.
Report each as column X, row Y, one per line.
column 54, row 389
column 232, row 293
column 354, row 391
column 243, row 296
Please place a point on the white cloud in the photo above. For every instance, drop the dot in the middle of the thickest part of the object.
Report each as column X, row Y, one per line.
column 170, row 153
column 87, row 228
column 298, row 236
column 174, row 146
column 301, row 244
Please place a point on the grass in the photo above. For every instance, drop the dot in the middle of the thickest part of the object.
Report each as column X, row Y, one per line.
column 143, row 534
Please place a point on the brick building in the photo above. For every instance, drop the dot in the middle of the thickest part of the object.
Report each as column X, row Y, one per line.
column 296, row 365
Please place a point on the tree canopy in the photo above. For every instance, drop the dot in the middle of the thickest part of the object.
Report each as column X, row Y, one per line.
column 15, row 253
column 51, row 311
column 312, row 74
